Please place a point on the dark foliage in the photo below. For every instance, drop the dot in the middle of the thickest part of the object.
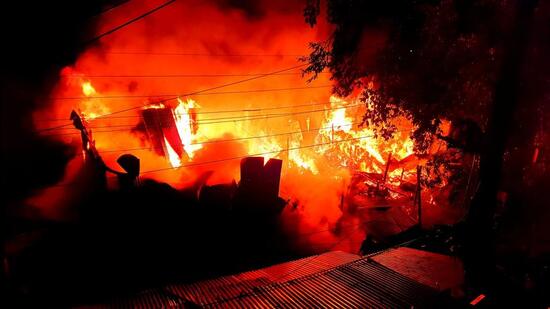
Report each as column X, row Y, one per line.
column 438, row 61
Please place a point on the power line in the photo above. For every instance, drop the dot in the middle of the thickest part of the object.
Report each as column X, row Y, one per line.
column 234, row 139
column 220, row 120
column 226, row 120
column 205, row 54
column 112, row 7
column 113, row 30
column 245, row 118
column 187, row 94
column 255, row 154
column 188, row 75
column 148, row 53
column 172, row 94
column 244, row 110
column 236, row 158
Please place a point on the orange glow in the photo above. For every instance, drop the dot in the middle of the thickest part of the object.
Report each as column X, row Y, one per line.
column 173, row 157
column 87, row 89
column 321, row 145
column 184, row 124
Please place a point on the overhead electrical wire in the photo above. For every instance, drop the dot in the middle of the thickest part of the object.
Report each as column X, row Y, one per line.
column 254, row 155
column 200, row 112
column 218, row 141
column 187, row 94
column 172, row 94
column 193, row 164
column 131, row 21
column 244, row 118
column 151, row 53
column 110, row 8
column 175, row 75
column 219, row 121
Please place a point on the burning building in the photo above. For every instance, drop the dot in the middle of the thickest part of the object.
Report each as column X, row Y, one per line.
column 171, row 130
column 319, row 137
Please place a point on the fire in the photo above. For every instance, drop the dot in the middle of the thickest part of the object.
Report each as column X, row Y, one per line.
column 87, row 89
column 265, row 147
column 186, row 124
column 361, row 151
column 339, row 141
column 322, row 145
column 337, row 118
column 92, row 107
column 176, row 126
column 173, row 157
column 298, row 156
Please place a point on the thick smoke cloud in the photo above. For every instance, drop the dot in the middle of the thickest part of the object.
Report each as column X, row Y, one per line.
column 201, row 38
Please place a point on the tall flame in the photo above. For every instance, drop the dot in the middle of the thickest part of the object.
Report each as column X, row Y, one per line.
column 185, row 125
column 324, row 145
column 339, row 141
column 87, row 89
column 173, row 157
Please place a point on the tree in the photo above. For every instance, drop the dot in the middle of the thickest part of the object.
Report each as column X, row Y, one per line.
column 439, row 59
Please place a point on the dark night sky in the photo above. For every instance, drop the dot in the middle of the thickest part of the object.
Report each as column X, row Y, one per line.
column 39, row 39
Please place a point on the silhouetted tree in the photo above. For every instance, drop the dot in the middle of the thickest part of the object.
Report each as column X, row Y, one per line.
column 436, row 59
column 430, row 60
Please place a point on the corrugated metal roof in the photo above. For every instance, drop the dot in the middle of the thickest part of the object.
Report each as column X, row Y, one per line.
column 359, row 284
column 330, row 280
column 209, row 291
column 424, row 267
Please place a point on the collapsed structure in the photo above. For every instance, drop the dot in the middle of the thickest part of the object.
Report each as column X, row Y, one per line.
column 332, row 146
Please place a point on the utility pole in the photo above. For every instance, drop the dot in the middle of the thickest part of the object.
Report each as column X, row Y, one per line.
column 479, row 246
column 418, row 195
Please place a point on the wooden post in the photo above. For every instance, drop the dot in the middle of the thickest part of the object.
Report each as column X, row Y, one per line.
column 418, row 194
column 467, row 190
column 386, row 170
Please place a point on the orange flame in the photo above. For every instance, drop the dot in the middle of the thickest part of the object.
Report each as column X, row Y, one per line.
column 184, row 124
column 323, row 148
column 173, row 157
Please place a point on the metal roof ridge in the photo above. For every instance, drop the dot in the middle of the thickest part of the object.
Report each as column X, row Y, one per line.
column 274, row 285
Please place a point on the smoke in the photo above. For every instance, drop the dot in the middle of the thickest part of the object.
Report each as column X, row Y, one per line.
column 198, row 38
